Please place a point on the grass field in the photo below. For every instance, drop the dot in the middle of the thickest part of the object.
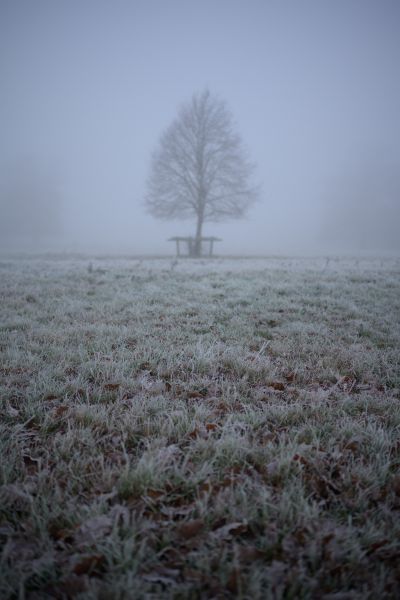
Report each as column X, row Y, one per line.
column 200, row 429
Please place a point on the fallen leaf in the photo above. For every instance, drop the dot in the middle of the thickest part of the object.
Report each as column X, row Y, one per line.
column 347, row 383
column 155, row 494
column 194, row 433
column 60, row 411
column 31, row 423
column 222, row 408
column 59, row 533
column 190, row 528
column 232, row 585
column 116, row 458
column 211, row 426
column 231, row 529
column 207, row 487
column 353, row 445
column 111, row 386
column 376, row 546
column 299, row 458
column 194, row 394
column 30, row 462
column 88, row 564
column 277, row 385
column 249, row 553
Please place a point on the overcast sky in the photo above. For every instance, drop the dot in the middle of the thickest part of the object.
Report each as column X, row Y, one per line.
column 87, row 87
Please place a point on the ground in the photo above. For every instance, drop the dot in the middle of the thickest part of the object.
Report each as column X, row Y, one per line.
column 223, row 428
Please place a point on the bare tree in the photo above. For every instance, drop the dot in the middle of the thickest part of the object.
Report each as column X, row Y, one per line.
column 200, row 169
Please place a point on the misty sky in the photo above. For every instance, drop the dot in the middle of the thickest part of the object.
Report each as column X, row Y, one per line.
column 87, row 87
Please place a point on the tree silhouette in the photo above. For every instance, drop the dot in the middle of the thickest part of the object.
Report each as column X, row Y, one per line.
column 200, row 169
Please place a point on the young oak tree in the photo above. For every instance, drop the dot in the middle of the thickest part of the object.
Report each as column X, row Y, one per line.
column 200, row 169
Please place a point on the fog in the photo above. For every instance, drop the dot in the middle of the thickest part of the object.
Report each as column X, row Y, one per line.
column 87, row 88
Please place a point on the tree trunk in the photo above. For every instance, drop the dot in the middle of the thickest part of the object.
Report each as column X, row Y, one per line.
column 197, row 240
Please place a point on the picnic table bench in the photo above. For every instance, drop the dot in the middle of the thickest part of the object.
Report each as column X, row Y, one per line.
column 189, row 243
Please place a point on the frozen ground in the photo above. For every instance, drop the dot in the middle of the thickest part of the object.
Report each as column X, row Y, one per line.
column 194, row 429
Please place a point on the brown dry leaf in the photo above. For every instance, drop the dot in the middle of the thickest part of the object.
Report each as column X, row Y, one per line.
column 190, row 528
column 59, row 533
column 221, row 409
column 347, row 383
column 194, row 394
column 88, row 564
column 206, row 486
column 353, row 445
column 31, row 463
column 31, row 423
column 235, row 470
column 211, row 426
column 116, row 458
column 50, row 397
column 111, row 386
column 277, row 385
column 154, row 494
column 376, row 546
column 232, row 585
column 60, row 411
column 209, row 488
column 320, row 487
column 231, row 529
column 299, row 458
column 194, row 434
column 248, row 554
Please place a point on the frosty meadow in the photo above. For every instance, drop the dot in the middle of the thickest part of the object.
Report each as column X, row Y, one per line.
column 199, row 429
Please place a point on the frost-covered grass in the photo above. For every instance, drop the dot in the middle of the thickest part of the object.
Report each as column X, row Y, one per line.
column 200, row 429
